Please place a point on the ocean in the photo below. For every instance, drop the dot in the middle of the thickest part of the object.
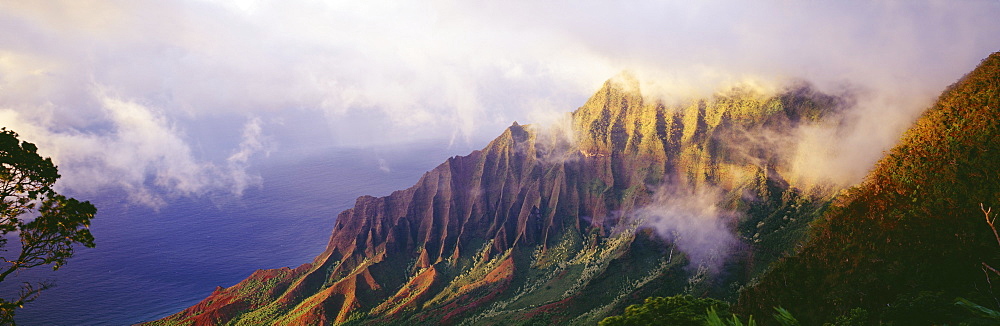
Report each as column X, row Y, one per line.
column 150, row 263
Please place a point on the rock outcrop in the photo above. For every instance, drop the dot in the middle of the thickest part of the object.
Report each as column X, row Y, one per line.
column 540, row 225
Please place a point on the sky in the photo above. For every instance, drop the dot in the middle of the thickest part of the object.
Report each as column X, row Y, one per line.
column 182, row 97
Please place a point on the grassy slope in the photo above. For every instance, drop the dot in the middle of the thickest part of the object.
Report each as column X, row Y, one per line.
column 530, row 229
column 913, row 230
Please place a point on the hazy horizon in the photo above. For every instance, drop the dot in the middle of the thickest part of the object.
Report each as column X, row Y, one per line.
column 182, row 105
column 185, row 95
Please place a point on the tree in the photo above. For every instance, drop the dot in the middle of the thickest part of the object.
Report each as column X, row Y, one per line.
column 48, row 224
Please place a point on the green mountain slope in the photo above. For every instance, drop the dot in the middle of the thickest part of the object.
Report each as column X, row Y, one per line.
column 544, row 226
column 909, row 239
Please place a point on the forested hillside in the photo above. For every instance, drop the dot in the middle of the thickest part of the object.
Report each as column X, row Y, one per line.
column 633, row 198
column 901, row 246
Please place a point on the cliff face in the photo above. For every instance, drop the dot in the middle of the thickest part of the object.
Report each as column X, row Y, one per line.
column 540, row 225
column 911, row 238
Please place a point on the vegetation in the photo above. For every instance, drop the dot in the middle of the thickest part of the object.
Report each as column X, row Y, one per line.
column 901, row 246
column 781, row 316
column 47, row 224
column 678, row 310
column 556, row 244
column 536, row 229
column 688, row 310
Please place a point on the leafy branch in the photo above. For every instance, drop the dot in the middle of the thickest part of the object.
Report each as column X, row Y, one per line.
column 47, row 224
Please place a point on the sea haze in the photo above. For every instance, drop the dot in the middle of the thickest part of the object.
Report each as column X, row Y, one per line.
column 150, row 263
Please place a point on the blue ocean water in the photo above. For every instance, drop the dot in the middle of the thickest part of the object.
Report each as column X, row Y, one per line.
column 150, row 263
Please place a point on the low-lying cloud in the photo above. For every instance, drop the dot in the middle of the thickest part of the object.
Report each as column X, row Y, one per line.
column 378, row 72
column 253, row 143
column 694, row 222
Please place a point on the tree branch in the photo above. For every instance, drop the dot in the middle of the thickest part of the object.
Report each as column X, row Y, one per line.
column 27, row 294
column 986, row 212
column 994, row 270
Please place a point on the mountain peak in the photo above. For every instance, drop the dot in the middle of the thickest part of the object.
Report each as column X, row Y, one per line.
column 622, row 87
column 626, row 81
column 521, row 221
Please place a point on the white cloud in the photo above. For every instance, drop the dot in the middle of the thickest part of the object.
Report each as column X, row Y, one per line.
column 383, row 165
column 390, row 72
column 693, row 221
column 139, row 150
column 253, row 143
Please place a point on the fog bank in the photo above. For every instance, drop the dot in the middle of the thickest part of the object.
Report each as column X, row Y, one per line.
column 141, row 94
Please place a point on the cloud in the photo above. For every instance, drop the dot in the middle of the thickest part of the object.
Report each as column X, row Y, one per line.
column 693, row 221
column 383, row 165
column 379, row 72
column 139, row 150
column 252, row 144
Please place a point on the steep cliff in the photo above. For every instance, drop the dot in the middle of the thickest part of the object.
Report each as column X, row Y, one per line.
column 546, row 225
column 902, row 245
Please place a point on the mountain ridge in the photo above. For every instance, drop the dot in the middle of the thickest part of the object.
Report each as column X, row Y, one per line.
column 537, row 221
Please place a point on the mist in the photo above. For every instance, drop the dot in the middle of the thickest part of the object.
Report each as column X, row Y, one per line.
column 694, row 222
column 185, row 96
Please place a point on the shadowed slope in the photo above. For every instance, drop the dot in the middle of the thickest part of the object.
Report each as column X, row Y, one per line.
column 537, row 225
column 911, row 237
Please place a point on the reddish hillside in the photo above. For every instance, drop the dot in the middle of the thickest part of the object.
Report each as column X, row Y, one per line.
column 537, row 220
column 911, row 238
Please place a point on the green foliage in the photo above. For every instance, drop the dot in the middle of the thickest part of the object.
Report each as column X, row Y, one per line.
column 712, row 319
column 555, row 212
column 978, row 310
column 785, row 318
column 676, row 310
column 781, row 316
column 855, row 317
column 48, row 224
column 911, row 237
column 924, row 307
column 775, row 225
